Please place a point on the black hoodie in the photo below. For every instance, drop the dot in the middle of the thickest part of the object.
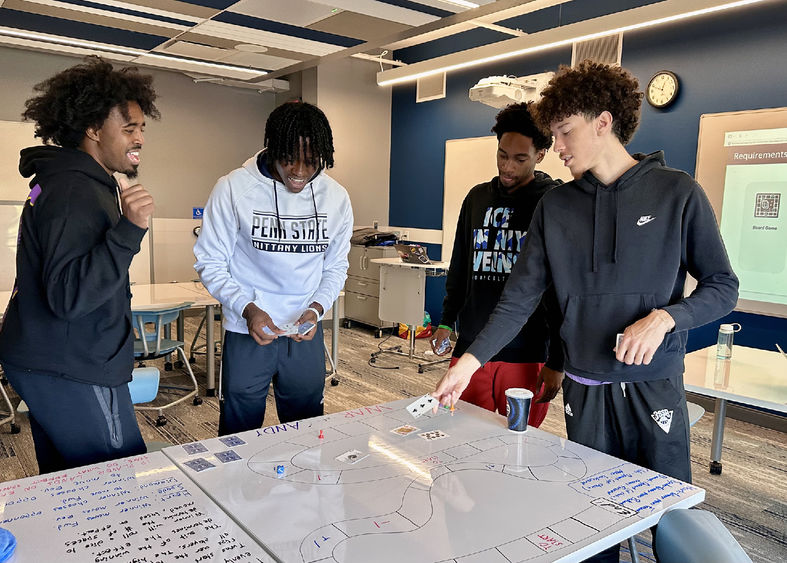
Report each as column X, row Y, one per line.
column 613, row 253
column 69, row 313
column 492, row 226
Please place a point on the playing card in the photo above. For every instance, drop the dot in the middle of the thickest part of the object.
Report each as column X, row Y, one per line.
column 226, row 457
column 199, row 464
column 194, row 448
column 352, row 456
column 288, row 328
column 305, row 328
column 231, row 441
column 421, row 405
column 433, row 435
column 618, row 338
column 405, row 430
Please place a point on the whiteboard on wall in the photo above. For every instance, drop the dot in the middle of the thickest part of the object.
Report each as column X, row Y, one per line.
column 472, row 161
column 14, row 136
column 742, row 166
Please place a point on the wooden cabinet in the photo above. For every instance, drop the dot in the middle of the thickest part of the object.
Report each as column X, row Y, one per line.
column 362, row 288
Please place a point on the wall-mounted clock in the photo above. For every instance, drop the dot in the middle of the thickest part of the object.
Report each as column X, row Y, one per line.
column 662, row 89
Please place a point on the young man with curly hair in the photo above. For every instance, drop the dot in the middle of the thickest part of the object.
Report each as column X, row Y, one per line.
column 66, row 340
column 490, row 232
column 273, row 250
column 616, row 244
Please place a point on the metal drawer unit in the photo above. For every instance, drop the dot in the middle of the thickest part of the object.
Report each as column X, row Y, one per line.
column 362, row 288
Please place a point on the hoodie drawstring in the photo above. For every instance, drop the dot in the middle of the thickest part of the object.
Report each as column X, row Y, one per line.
column 276, row 203
column 616, row 227
column 316, row 217
column 596, row 227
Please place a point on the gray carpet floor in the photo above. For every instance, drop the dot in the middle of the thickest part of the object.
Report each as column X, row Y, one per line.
column 749, row 497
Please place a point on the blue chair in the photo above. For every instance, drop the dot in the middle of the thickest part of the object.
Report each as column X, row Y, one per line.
column 696, row 536
column 152, row 341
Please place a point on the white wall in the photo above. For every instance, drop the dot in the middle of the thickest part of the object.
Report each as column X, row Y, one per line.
column 205, row 130
column 360, row 116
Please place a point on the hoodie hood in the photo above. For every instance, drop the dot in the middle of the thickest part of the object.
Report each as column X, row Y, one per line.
column 606, row 199
column 537, row 187
column 47, row 160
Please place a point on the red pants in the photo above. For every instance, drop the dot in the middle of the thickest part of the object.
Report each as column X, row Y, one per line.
column 488, row 386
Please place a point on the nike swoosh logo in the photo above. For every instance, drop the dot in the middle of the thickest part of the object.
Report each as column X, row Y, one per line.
column 644, row 220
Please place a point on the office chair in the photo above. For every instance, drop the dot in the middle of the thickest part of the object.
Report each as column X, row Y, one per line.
column 196, row 348
column 11, row 416
column 696, row 536
column 152, row 344
column 143, row 388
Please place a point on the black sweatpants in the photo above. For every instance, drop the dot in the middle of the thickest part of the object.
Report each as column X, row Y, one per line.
column 296, row 369
column 645, row 422
column 76, row 423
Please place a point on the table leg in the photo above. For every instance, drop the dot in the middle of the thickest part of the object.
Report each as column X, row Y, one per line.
column 718, row 436
column 210, row 369
column 335, row 335
column 411, row 351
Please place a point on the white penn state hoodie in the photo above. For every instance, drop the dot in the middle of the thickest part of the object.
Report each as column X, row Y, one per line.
column 261, row 243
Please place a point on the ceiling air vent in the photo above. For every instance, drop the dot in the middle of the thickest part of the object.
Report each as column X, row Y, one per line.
column 602, row 50
column 430, row 88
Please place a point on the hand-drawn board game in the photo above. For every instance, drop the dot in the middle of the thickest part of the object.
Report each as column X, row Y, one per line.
column 139, row 509
column 376, row 484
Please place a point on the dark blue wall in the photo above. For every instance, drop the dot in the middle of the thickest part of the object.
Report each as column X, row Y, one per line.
column 726, row 62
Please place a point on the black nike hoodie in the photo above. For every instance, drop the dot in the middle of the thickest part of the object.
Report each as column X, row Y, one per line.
column 69, row 314
column 613, row 253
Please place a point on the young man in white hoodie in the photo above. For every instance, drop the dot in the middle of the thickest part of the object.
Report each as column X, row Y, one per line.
column 273, row 250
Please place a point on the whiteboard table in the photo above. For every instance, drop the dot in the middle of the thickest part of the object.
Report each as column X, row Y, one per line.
column 752, row 377
column 163, row 295
column 480, row 493
column 402, row 297
column 130, row 510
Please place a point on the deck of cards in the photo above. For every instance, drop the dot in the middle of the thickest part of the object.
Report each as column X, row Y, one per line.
column 421, row 405
column 291, row 329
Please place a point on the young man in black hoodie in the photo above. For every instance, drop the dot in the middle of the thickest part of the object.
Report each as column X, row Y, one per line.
column 66, row 340
column 491, row 229
column 616, row 244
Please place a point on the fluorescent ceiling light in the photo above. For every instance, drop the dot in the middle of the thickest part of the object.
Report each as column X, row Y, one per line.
column 462, row 3
column 57, row 40
column 628, row 20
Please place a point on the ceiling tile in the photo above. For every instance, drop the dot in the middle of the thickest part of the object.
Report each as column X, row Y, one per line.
column 257, row 60
column 360, row 26
column 295, row 12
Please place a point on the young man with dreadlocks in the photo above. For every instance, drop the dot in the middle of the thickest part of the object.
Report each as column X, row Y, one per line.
column 273, row 250
column 66, row 342
column 490, row 232
column 616, row 243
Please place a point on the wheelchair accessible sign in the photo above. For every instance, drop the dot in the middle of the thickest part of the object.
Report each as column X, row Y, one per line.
column 196, row 212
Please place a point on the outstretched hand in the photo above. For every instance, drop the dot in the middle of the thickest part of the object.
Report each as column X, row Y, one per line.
column 455, row 381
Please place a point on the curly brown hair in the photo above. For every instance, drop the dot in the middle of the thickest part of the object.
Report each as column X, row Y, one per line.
column 82, row 96
column 589, row 89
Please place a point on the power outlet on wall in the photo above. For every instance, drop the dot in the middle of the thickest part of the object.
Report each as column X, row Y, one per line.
column 405, row 235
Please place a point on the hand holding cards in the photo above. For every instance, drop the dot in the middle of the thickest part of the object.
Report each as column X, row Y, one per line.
column 291, row 329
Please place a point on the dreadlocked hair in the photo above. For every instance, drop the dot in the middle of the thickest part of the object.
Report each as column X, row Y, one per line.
column 517, row 118
column 297, row 121
column 83, row 96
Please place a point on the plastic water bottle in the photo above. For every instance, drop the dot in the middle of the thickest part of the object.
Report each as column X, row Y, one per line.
column 724, row 342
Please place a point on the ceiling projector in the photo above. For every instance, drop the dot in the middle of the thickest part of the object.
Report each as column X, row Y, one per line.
column 500, row 91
